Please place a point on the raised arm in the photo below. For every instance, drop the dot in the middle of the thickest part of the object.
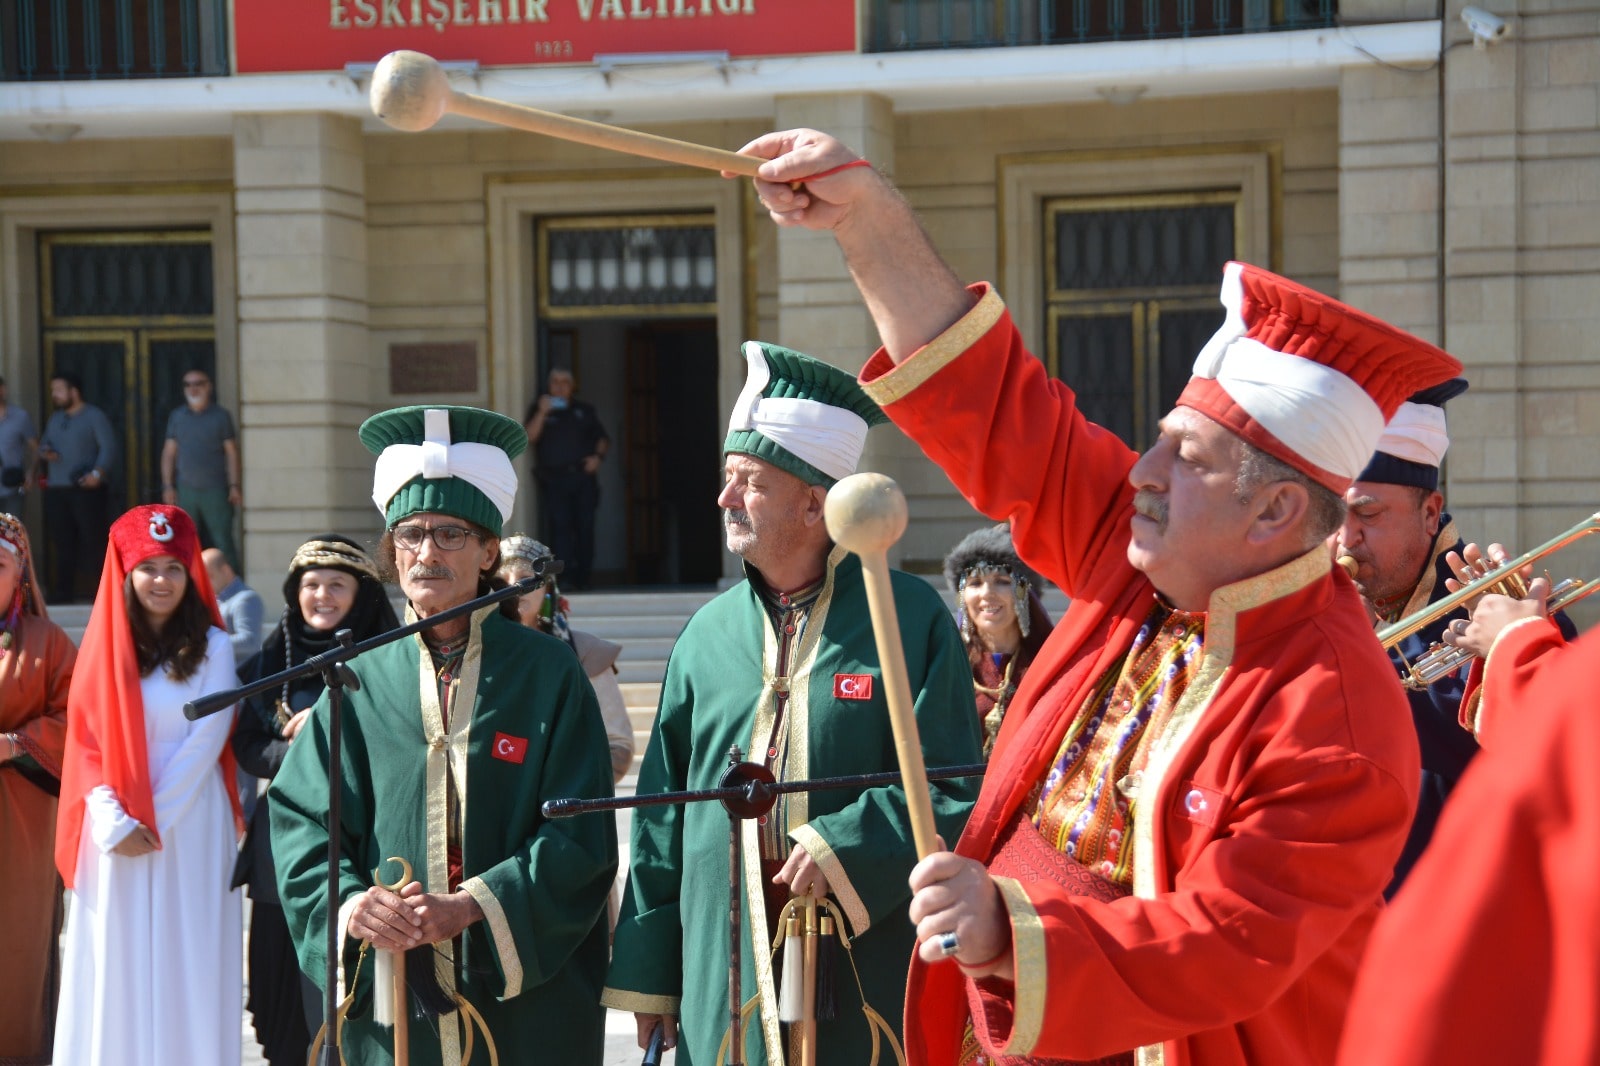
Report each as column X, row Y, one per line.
column 911, row 292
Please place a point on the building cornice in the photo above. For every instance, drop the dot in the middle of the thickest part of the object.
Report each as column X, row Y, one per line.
column 740, row 89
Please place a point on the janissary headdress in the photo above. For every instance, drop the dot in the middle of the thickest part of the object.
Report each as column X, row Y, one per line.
column 105, row 706
column 800, row 414
column 445, row 460
column 27, row 598
column 1415, row 440
column 1306, row 378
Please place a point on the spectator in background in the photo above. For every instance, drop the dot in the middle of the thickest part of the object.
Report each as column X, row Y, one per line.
column 36, row 660
column 80, row 450
column 1002, row 620
column 569, row 445
column 546, row 611
column 200, row 465
column 240, row 604
column 19, row 442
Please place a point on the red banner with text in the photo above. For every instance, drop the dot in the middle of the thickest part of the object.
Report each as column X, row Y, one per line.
column 289, row 35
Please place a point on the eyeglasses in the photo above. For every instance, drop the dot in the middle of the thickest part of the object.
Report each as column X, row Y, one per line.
column 445, row 538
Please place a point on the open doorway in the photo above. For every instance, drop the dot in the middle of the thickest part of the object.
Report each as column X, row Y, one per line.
column 653, row 386
column 674, row 440
column 628, row 304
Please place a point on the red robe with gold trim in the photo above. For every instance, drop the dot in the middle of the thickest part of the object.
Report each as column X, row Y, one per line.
column 1491, row 952
column 1272, row 809
column 1495, row 684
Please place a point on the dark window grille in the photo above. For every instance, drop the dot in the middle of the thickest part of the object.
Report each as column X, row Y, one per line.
column 1131, row 285
column 908, row 25
column 135, row 278
column 77, row 40
column 667, row 266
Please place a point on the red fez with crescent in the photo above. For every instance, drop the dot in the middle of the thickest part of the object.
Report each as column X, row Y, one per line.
column 154, row 529
column 1305, row 378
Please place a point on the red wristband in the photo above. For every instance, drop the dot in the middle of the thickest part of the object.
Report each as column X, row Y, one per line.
column 833, row 170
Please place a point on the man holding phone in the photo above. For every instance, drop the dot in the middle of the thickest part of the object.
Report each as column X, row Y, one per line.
column 569, row 445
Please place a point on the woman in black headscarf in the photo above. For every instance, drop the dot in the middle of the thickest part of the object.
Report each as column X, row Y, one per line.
column 332, row 585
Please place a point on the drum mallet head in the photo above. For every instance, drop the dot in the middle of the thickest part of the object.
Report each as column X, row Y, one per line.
column 866, row 513
column 410, row 91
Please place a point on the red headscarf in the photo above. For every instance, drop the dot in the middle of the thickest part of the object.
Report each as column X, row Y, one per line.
column 105, row 707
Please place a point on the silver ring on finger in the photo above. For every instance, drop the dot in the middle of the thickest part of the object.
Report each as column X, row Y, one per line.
column 949, row 944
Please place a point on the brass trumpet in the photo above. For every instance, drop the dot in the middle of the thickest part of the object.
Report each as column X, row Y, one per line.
column 1442, row 659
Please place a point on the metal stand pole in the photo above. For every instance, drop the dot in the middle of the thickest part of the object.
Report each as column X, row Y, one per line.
column 337, row 677
column 735, row 931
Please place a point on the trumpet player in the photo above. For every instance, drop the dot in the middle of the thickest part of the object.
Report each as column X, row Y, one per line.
column 1398, row 534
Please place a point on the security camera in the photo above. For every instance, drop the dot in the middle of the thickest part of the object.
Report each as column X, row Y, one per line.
column 1486, row 28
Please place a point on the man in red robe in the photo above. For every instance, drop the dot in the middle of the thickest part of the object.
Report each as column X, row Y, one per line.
column 1205, row 780
column 1502, row 907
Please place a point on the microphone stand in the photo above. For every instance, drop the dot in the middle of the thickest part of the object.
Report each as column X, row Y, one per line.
column 337, row 676
column 746, row 790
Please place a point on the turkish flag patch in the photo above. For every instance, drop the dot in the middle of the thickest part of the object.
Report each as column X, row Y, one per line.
column 1200, row 804
column 852, row 686
column 509, row 748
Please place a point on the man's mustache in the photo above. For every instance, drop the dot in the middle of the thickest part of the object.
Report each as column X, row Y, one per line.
column 419, row 572
column 730, row 518
column 1152, row 506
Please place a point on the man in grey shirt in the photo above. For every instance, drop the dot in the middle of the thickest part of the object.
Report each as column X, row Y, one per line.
column 240, row 605
column 200, row 464
column 18, row 444
column 80, row 449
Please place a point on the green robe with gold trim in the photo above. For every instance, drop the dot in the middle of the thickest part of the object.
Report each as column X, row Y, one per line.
column 671, row 950
column 525, row 728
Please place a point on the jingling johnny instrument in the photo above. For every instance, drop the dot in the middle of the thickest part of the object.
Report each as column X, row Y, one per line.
column 1441, row 660
column 411, row 92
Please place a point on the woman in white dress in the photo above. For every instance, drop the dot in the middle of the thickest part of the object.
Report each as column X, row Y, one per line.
column 149, row 820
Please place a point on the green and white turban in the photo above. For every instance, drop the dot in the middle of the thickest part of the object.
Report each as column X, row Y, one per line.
column 800, row 414
column 445, row 460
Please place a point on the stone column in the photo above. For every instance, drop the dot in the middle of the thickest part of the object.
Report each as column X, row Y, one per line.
column 305, row 382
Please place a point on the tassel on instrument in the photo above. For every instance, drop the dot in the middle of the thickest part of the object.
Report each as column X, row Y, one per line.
column 827, row 970
column 791, row 994
column 382, row 981
column 428, row 998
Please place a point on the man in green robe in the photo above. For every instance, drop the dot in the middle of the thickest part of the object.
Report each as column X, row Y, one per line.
column 450, row 745
column 784, row 666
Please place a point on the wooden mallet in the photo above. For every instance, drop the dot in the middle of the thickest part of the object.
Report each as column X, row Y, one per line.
column 410, row 91
column 867, row 513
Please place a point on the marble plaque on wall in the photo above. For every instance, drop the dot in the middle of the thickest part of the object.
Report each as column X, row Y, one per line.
column 432, row 368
